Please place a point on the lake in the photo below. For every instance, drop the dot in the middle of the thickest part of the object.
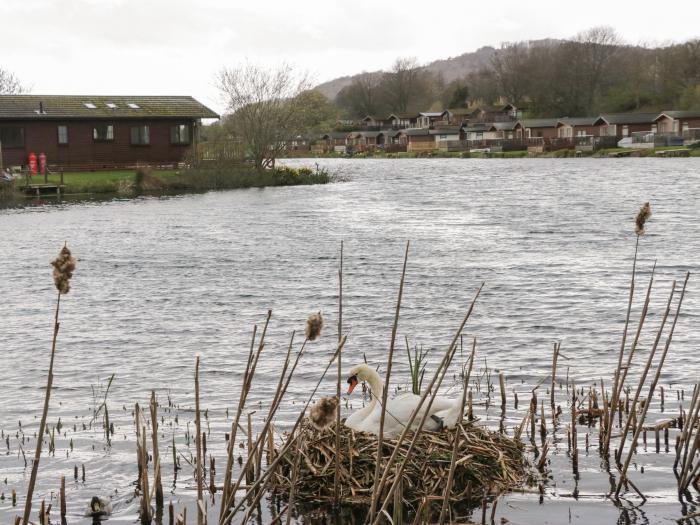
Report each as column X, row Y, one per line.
column 161, row 279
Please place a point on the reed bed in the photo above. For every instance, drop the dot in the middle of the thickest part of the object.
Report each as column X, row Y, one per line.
column 321, row 461
column 488, row 463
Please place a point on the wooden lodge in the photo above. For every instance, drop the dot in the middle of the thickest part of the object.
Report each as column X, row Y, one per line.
column 100, row 132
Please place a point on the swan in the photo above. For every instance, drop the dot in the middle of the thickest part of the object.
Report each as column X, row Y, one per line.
column 444, row 412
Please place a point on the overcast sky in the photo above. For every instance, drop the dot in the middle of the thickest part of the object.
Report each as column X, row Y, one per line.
column 150, row 47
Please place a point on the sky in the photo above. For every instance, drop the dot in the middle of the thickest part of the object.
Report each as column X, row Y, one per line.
column 176, row 47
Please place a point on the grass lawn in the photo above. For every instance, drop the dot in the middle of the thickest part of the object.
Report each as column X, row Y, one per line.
column 97, row 181
column 127, row 182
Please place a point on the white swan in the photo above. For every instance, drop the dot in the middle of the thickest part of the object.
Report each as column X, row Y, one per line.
column 444, row 412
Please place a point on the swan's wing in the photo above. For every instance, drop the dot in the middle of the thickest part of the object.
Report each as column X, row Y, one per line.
column 443, row 403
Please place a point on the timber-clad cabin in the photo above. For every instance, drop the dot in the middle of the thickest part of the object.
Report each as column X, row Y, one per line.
column 100, row 132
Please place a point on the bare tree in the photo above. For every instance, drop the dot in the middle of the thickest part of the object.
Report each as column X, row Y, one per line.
column 511, row 67
column 404, row 84
column 10, row 84
column 363, row 96
column 263, row 105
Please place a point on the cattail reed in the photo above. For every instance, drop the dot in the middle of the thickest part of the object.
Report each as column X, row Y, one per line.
column 63, row 268
column 314, row 324
column 642, row 217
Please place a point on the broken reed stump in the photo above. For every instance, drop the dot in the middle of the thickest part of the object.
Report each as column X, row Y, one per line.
column 158, row 485
column 487, row 462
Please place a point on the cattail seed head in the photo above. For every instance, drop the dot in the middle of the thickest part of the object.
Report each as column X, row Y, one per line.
column 323, row 412
column 63, row 268
column 642, row 217
column 314, row 324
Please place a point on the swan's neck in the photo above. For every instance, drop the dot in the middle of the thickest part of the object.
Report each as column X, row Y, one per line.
column 376, row 384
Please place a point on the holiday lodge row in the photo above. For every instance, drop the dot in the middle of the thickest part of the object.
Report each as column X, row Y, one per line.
column 502, row 128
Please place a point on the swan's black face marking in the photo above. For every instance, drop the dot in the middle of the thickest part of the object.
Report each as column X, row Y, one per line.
column 352, row 381
column 95, row 504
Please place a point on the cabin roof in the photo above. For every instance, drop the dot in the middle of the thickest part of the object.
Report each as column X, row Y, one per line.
column 577, row 121
column 626, row 118
column 679, row 114
column 101, row 107
column 538, row 123
column 335, row 135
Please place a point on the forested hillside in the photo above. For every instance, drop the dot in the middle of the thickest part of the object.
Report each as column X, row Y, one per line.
column 591, row 73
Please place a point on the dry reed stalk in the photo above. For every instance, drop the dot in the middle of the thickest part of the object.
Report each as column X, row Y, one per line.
column 263, row 479
column 64, row 266
column 336, row 478
column 198, row 443
column 281, row 390
column 385, row 392
column 555, row 357
column 433, row 387
column 250, row 469
column 652, row 387
column 455, row 448
column 645, row 372
column 293, row 485
column 613, row 406
column 574, row 434
column 156, row 454
column 279, row 515
column 146, row 517
column 248, row 375
column 683, row 437
column 502, row 385
column 63, row 497
column 687, row 475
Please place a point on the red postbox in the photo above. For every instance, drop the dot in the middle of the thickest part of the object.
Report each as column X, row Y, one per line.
column 42, row 163
column 32, row 163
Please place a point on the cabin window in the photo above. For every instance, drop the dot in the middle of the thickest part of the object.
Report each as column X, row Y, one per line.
column 140, row 136
column 654, row 128
column 103, row 132
column 625, row 131
column 686, row 126
column 180, row 134
column 62, row 135
column 11, row 137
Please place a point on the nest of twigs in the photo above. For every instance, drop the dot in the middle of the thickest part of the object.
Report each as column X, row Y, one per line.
column 487, row 463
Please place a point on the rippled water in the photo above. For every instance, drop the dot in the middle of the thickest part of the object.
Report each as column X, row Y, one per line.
column 160, row 279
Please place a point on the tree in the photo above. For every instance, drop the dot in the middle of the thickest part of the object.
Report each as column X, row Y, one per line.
column 404, row 84
column 316, row 112
column 10, row 84
column 263, row 105
column 512, row 70
column 457, row 95
column 363, row 97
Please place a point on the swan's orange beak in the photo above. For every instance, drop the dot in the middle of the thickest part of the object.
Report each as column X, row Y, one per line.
column 352, row 381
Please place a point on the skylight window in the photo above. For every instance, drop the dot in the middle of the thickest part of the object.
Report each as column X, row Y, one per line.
column 133, row 106
column 111, row 105
column 89, row 105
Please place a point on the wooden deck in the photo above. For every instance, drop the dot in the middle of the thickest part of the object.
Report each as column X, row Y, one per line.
column 43, row 190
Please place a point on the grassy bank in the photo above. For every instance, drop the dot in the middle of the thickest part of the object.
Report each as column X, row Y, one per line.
column 129, row 182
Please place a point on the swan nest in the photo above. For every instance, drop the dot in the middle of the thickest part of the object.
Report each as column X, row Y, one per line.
column 487, row 463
